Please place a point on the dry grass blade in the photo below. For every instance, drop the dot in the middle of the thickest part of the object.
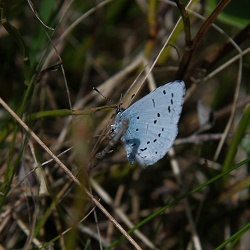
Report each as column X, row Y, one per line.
column 68, row 172
column 193, row 45
column 55, row 192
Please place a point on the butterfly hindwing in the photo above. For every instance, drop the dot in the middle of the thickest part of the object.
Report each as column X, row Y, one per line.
column 153, row 123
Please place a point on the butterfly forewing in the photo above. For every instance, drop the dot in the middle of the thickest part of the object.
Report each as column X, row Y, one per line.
column 153, row 123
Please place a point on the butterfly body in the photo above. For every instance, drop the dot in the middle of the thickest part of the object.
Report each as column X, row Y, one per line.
column 152, row 123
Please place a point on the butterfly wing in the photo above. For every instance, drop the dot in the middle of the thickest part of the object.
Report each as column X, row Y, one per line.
column 153, row 123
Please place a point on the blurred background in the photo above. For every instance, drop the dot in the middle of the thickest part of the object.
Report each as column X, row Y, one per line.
column 52, row 55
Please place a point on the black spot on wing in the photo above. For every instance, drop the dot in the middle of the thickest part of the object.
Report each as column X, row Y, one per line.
column 153, row 100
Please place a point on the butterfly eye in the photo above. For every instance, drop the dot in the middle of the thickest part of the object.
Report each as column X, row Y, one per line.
column 112, row 129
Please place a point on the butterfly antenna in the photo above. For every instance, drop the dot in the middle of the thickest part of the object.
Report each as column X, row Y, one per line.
column 118, row 107
column 94, row 88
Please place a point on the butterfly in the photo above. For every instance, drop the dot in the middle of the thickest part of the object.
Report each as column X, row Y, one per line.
column 149, row 127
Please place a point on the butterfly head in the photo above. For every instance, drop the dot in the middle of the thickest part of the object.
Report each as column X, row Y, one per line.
column 119, row 109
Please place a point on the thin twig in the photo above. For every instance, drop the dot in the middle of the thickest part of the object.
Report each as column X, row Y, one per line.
column 177, row 172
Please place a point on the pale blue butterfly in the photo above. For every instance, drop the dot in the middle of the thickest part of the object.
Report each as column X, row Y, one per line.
column 151, row 124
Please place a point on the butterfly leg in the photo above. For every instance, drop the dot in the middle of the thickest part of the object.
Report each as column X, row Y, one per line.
column 120, row 132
